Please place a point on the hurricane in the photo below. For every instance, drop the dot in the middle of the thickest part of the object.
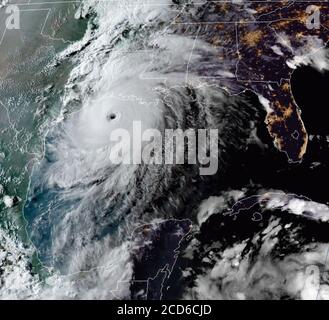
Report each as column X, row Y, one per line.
column 99, row 230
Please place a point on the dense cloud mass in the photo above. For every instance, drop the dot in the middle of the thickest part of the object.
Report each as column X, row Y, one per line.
column 110, row 231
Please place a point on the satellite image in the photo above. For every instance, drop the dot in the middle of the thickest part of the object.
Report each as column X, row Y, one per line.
column 164, row 150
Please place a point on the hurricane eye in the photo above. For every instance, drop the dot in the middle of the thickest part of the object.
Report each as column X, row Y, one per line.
column 111, row 116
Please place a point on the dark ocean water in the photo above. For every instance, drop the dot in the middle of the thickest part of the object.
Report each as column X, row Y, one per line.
column 76, row 211
column 269, row 168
